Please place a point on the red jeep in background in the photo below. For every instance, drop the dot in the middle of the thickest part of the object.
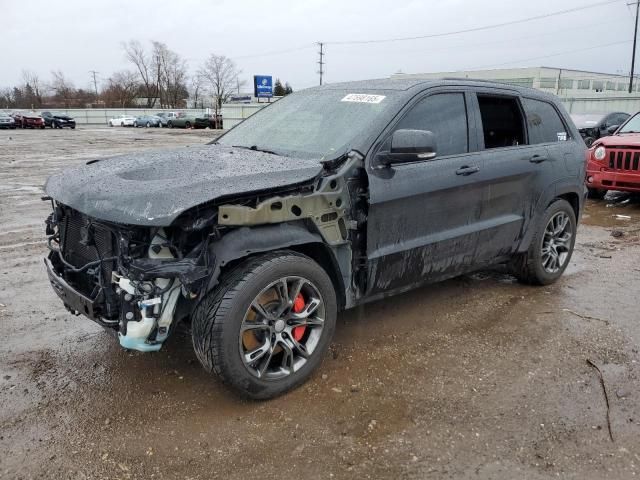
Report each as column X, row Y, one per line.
column 613, row 162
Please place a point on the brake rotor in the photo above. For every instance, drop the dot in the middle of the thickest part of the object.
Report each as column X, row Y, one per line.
column 250, row 340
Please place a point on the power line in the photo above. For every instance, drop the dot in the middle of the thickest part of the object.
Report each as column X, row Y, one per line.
column 550, row 55
column 475, row 29
column 277, row 52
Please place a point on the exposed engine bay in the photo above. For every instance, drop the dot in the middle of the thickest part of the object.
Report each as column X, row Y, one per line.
column 140, row 281
column 129, row 279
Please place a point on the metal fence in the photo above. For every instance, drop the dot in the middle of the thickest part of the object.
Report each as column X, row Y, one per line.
column 626, row 103
column 232, row 114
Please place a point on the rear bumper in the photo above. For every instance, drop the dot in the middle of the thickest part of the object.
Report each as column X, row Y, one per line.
column 604, row 178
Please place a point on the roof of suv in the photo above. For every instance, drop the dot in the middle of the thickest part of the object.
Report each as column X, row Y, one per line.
column 410, row 83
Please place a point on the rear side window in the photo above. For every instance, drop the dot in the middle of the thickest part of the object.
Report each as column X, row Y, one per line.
column 445, row 115
column 502, row 123
column 545, row 125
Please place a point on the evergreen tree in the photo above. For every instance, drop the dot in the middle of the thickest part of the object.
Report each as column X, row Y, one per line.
column 287, row 88
column 278, row 89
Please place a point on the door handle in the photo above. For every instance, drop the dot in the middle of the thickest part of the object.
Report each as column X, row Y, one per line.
column 538, row 158
column 467, row 170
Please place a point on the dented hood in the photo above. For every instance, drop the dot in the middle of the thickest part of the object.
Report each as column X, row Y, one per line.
column 154, row 188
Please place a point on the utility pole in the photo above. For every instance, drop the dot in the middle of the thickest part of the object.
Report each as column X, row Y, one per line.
column 321, row 61
column 633, row 55
column 95, row 82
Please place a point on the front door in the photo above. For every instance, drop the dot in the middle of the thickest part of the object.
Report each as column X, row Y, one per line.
column 423, row 215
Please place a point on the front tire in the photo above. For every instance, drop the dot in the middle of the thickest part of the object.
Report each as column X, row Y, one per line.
column 268, row 324
column 551, row 246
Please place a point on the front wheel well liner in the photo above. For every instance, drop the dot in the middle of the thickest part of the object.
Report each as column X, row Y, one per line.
column 573, row 200
column 237, row 246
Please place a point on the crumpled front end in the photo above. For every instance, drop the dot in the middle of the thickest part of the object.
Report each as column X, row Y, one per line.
column 138, row 281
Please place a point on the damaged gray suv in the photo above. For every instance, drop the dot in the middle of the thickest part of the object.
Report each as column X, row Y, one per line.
column 327, row 199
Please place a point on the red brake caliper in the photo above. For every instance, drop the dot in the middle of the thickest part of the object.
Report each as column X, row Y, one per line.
column 298, row 306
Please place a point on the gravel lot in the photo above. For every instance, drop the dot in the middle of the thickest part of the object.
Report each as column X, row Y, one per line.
column 477, row 377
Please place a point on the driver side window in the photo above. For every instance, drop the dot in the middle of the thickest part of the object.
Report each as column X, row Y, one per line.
column 444, row 114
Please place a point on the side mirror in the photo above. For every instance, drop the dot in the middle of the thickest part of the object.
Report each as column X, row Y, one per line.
column 612, row 129
column 410, row 146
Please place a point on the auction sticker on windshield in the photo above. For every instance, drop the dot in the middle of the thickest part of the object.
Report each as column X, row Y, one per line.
column 363, row 98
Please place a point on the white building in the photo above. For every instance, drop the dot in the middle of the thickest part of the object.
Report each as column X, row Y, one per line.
column 563, row 82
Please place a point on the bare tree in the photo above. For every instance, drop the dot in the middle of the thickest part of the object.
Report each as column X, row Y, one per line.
column 172, row 75
column 33, row 88
column 221, row 76
column 195, row 90
column 7, row 98
column 121, row 90
column 147, row 68
column 62, row 87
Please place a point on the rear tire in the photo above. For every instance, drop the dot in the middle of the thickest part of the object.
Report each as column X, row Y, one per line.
column 187, row 125
column 535, row 266
column 218, row 319
column 597, row 193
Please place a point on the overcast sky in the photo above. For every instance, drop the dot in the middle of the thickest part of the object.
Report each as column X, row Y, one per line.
column 76, row 36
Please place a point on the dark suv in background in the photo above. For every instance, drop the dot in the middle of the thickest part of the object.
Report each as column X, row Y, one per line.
column 593, row 126
column 58, row 120
column 329, row 198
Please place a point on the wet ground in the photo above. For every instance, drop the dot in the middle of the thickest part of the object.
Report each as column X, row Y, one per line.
column 477, row 377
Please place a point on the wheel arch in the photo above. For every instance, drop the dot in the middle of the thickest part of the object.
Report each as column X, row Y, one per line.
column 551, row 194
column 242, row 243
column 574, row 200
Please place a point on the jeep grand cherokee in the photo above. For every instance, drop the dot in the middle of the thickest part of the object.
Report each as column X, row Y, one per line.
column 327, row 199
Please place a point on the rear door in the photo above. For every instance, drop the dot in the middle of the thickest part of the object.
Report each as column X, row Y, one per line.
column 423, row 216
column 512, row 175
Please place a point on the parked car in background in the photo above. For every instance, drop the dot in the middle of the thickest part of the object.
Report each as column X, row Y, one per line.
column 122, row 121
column 188, row 120
column 332, row 197
column 165, row 117
column 58, row 120
column 215, row 121
column 28, row 119
column 147, row 121
column 593, row 126
column 613, row 162
column 6, row 120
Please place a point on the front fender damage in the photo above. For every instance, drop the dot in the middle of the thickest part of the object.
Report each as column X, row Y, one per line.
column 143, row 280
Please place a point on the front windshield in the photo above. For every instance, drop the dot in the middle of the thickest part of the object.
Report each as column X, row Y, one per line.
column 311, row 124
column 632, row 126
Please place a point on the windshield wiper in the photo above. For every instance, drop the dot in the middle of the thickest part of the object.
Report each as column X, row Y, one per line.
column 255, row 149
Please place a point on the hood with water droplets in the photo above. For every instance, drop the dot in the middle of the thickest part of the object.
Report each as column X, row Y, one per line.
column 154, row 188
